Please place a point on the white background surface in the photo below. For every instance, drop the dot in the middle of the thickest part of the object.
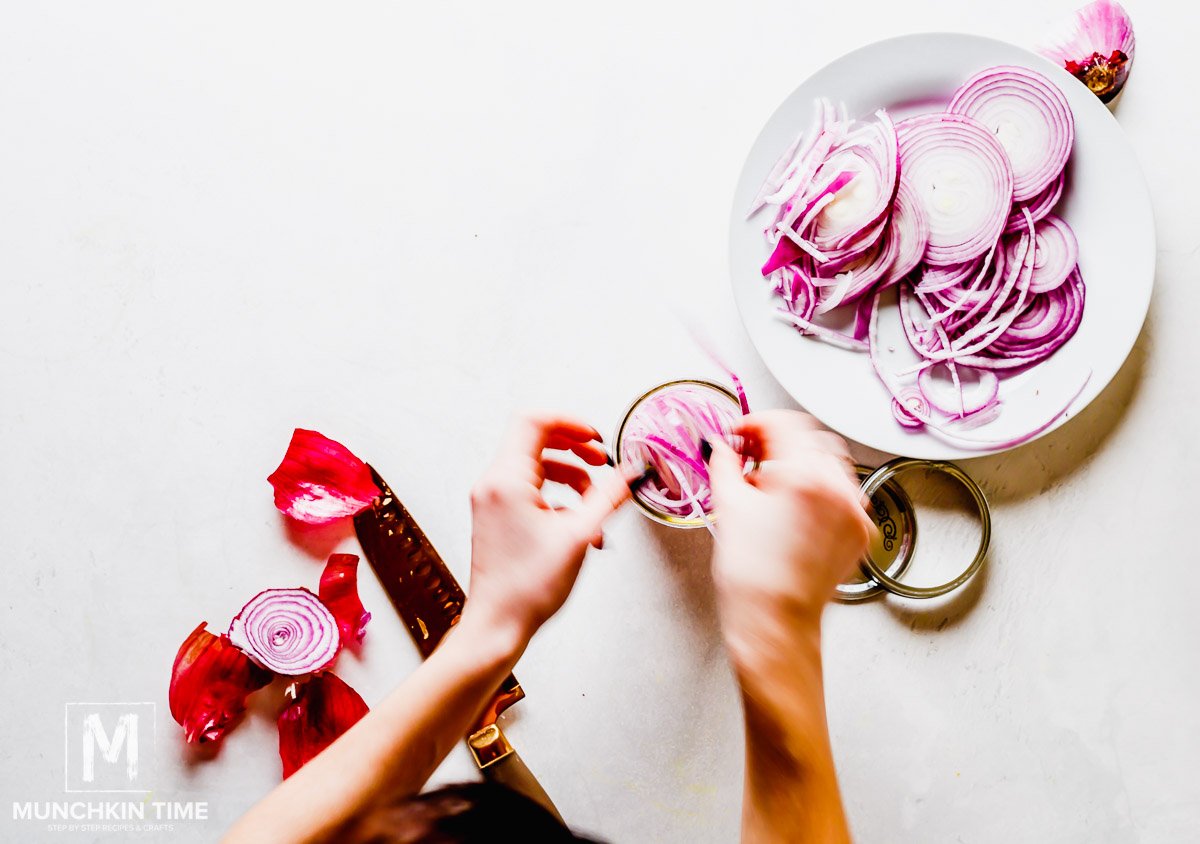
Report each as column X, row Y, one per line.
column 396, row 224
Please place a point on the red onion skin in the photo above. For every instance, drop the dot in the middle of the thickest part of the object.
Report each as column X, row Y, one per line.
column 339, row 592
column 323, row 709
column 210, row 681
column 320, row 481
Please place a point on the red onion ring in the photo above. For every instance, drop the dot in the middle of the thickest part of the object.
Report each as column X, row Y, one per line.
column 1056, row 255
column 961, row 176
column 1039, row 206
column 1028, row 115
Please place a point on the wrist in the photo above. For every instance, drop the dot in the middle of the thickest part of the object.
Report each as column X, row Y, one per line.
column 767, row 635
column 498, row 636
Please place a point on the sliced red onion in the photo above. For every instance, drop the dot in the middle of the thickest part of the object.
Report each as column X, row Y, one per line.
column 210, row 682
column 870, row 154
column 1055, row 257
column 909, row 231
column 934, row 278
column 859, row 276
column 949, row 431
column 829, row 335
column 958, row 390
column 288, row 631
column 665, row 430
column 1028, row 115
column 322, row 708
column 973, row 304
column 1038, row 207
column 1097, row 48
column 796, row 289
column 962, row 178
column 908, row 407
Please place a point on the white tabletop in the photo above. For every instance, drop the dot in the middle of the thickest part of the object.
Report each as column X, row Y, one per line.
column 396, row 224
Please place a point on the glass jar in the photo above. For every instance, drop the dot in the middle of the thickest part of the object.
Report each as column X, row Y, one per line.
column 720, row 394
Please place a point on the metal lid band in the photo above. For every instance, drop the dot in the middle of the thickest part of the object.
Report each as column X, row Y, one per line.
column 892, row 512
column 894, row 467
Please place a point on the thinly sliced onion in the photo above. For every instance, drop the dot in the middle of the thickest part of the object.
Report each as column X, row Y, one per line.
column 988, row 276
column 908, row 406
column 909, row 231
column 1038, row 207
column 961, row 392
column 962, row 178
column 950, row 431
column 1028, row 115
column 1056, row 256
column 288, row 631
column 870, row 154
column 665, row 431
column 934, row 278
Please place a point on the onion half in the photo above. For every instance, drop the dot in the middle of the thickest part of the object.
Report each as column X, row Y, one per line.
column 288, row 631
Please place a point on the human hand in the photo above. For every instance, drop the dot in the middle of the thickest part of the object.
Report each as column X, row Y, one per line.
column 526, row 555
column 787, row 533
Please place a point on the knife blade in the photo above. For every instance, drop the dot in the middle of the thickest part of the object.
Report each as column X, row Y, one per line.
column 429, row 600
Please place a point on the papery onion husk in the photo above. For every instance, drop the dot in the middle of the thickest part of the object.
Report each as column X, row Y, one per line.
column 339, row 593
column 320, row 480
column 1097, row 48
column 323, row 707
column 210, row 681
column 288, row 631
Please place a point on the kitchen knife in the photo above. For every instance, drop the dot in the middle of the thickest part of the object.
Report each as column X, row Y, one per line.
column 430, row 601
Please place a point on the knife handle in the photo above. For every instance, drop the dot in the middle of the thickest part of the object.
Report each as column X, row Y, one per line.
column 499, row 763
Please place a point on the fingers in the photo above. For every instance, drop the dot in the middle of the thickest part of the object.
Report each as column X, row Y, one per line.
column 589, row 452
column 724, row 468
column 576, row 477
column 776, row 434
column 602, row 499
column 529, row 433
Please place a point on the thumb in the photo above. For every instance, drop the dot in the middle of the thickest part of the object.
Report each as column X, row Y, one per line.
column 602, row 498
column 724, row 468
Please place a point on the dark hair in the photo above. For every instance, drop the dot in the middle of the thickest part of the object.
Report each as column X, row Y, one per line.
column 459, row 814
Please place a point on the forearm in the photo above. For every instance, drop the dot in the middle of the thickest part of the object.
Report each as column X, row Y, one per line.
column 791, row 790
column 394, row 749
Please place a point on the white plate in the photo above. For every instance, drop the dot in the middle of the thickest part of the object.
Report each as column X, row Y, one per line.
column 1106, row 203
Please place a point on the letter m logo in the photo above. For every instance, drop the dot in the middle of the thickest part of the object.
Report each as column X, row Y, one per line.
column 109, row 746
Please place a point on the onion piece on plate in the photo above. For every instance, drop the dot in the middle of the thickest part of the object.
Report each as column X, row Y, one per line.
column 962, row 178
column 1028, row 115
